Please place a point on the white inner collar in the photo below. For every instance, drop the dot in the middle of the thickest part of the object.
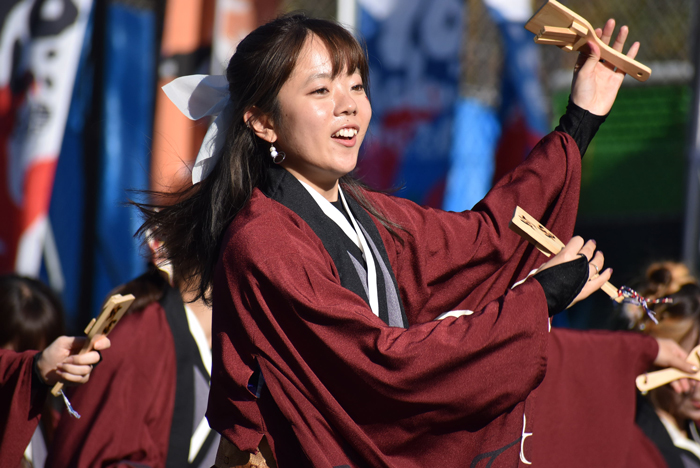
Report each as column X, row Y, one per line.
column 199, row 337
column 354, row 233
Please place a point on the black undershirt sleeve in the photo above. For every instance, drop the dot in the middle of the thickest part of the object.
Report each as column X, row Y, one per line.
column 562, row 283
column 37, row 379
column 580, row 124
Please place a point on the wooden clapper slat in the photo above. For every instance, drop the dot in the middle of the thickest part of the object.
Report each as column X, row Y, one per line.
column 555, row 24
column 112, row 311
column 530, row 229
column 652, row 380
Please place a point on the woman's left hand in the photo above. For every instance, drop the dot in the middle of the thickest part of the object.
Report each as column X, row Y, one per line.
column 672, row 355
column 60, row 360
column 596, row 275
column 596, row 83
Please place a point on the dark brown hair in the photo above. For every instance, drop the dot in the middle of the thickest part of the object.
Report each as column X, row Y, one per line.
column 191, row 223
column 31, row 315
column 148, row 288
column 679, row 318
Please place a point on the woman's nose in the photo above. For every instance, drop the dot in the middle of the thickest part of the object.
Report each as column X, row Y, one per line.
column 345, row 103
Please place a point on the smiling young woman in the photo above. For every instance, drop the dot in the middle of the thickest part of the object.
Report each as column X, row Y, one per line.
column 324, row 119
column 352, row 328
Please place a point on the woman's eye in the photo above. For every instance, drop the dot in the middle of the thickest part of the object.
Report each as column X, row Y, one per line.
column 358, row 87
column 320, row 91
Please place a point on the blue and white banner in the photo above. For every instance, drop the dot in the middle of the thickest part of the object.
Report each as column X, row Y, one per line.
column 40, row 46
column 523, row 113
column 413, row 48
column 489, row 142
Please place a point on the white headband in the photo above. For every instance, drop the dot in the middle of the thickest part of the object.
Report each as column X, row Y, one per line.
column 200, row 96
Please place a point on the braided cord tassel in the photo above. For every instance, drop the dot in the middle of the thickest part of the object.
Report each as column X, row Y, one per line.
column 633, row 297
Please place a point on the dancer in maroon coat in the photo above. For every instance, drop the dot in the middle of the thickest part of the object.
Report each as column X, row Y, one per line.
column 145, row 404
column 585, row 406
column 326, row 294
column 25, row 379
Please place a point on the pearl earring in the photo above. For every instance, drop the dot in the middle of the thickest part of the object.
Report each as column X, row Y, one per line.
column 277, row 157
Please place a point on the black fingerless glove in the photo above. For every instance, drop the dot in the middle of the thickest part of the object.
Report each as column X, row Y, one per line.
column 562, row 283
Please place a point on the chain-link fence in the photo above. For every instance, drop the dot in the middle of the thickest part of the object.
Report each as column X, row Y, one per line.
column 664, row 27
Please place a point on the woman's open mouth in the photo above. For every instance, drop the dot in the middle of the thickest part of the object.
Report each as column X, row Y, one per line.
column 345, row 136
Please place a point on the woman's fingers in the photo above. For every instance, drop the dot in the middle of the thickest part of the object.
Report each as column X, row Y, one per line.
column 101, row 342
column 87, row 359
column 671, row 354
column 69, row 377
column 608, row 30
column 680, row 386
column 634, row 48
column 61, row 359
column 595, row 265
column 572, row 248
column 575, row 247
column 605, row 35
column 621, row 38
column 588, row 249
column 74, row 370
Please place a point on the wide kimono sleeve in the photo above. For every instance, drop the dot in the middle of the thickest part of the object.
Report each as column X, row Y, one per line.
column 466, row 260
column 279, row 306
column 20, row 408
column 127, row 405
column 585, row 407
column 311, row 335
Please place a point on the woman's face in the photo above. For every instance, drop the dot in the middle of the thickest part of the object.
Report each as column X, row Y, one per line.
column 684, row 406
column 323, row 120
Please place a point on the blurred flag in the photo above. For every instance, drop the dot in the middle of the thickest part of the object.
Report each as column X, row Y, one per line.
column 413, row 48
column 40, row 45
column 105, row 157
column 488, row 143
column 129, row 77
column 523, row 113
column 476, row 134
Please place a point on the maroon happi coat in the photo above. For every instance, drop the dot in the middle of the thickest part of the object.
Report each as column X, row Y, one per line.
column 342, row 388
column 20, row 408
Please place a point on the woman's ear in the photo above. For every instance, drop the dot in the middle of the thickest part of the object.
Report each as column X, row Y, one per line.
column 261, row 124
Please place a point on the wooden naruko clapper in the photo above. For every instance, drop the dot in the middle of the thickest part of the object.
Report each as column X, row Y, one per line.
column 555, row 24
column 112, row 312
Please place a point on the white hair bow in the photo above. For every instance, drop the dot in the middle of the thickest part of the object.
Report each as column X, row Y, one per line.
column 199, row 96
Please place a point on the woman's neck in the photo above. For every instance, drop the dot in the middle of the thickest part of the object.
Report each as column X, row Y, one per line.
column 327, row 189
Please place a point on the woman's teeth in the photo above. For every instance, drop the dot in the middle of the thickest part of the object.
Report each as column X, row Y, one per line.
column 345, row 133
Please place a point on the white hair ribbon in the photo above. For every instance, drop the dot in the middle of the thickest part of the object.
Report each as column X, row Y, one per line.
column 200, row 96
